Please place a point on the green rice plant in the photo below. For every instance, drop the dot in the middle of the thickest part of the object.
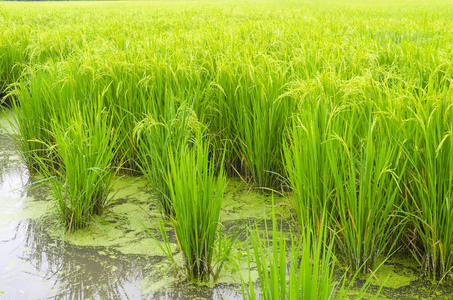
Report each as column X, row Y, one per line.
column 233, row 64
column 306, row 274
column 307, row 167
column 254, row 108
column 430, row 183
column 303, row 271
column 196, row 195
column 366, row 192
column 84, row 149
column 31, row 121
column 13, row 55
column 175, row 131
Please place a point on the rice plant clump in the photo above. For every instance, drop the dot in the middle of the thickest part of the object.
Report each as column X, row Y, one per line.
column 83, row 151
column 307, row 168
column 196, row 189
column 291, row 269
column 366, row 194
column 176, row 131
column 430, row 185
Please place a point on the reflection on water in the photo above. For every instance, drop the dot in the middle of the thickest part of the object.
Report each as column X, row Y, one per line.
column 36, row 265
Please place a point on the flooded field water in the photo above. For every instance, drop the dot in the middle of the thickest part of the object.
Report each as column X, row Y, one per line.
column 118, row 259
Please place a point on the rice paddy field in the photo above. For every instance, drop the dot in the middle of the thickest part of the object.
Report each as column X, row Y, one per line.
column 226, row 149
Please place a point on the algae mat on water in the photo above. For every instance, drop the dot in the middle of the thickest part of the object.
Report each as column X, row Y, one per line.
column 120, row 260
column 117, row 259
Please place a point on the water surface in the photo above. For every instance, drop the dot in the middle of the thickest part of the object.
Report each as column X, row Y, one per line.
column 118, row 259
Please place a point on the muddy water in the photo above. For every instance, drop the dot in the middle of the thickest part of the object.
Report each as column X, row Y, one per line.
column 117, row 258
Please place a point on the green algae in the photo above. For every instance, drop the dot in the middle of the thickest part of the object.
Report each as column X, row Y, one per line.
column 399, row 277
column 241, row 203
column 399, row 271
column 394, row 277
column 134, row 208
column 122, row 229
column 123, row 225
column 120, row 233
column 121, row 236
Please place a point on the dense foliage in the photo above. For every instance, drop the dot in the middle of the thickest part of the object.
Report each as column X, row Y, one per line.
column 344, row 106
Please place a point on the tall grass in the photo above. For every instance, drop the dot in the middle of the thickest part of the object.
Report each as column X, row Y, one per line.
column 430, row 183
column 196, row 194
column 355, row 117
column 303, row 271
column 80, row 171
column 175, row 132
